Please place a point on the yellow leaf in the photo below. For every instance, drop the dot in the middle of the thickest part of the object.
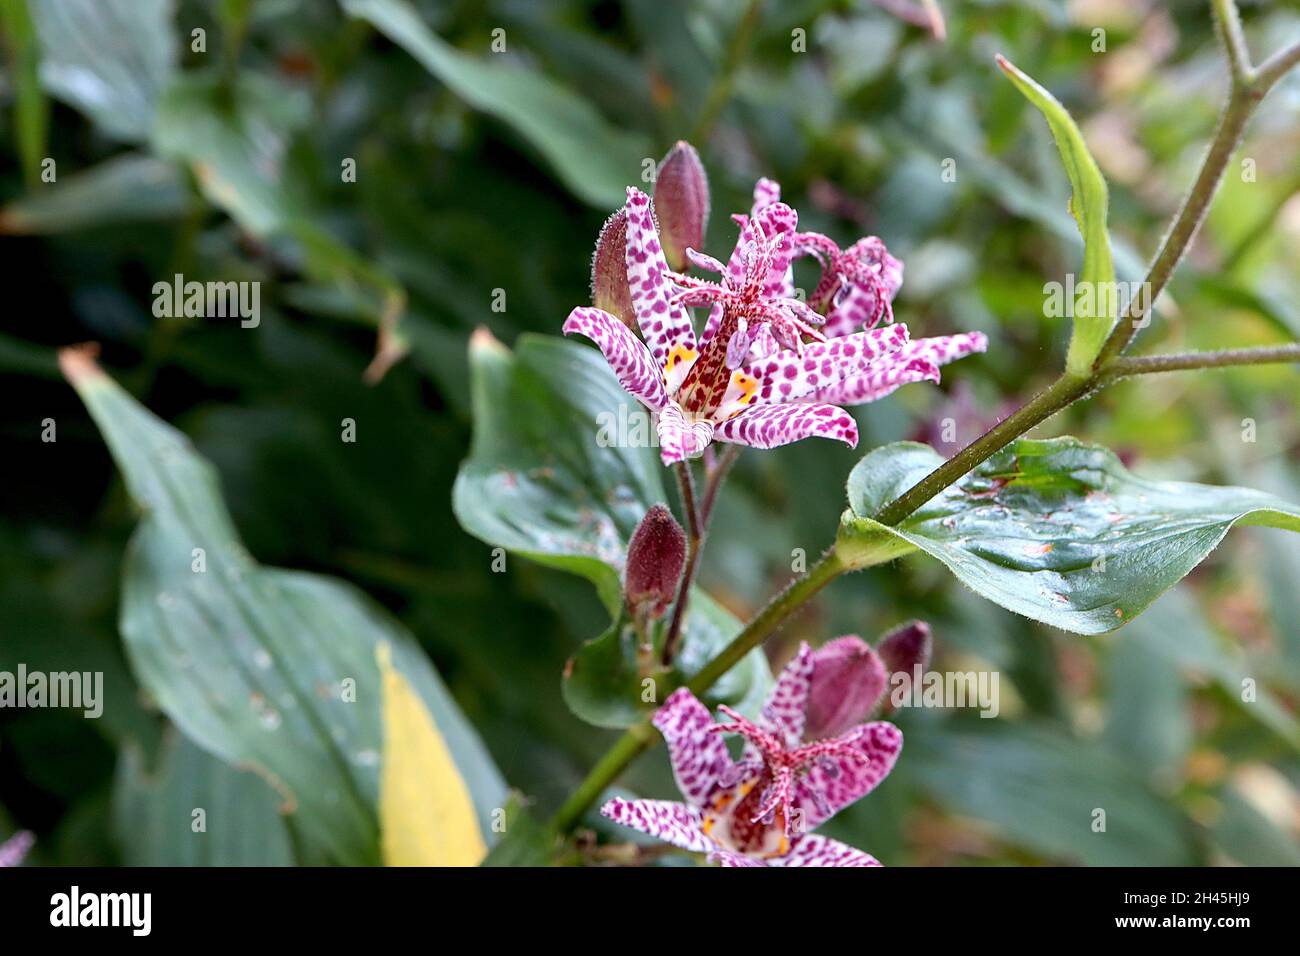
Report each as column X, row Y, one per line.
column 426, row 817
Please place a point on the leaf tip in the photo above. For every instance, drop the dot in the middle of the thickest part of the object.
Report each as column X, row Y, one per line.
column 79, row 363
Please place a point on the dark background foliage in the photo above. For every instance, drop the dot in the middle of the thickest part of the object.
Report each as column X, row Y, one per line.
column 457, row 197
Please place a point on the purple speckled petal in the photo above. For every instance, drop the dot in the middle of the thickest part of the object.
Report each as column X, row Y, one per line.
column 766, row 192
column 672, row 822
column 875, row 383
column 787, row 376
column 784, row 711
column 730, row 858
column 835, row 781
column 814, row 850
column 680, row 439
column 626, row 354
column 942, row 349
column 699, row 756
column 770, row 426
column 664, row 326
column 15, row 848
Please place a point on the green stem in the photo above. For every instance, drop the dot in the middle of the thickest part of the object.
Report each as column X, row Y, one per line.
column 1249, row 86
column 642, row 735
column 720, row 92
column 694, row 542
column 1148, row 364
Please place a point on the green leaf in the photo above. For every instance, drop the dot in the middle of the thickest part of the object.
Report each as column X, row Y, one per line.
column 1092, row 312
column 540, row 481
column 1042, row 788
column 525, row 842
column 111, row 59
column 155, row 814
column 593, row 159
column 1058, row 530
column 537, row 480
column 127, row 188
column 604, row 680
column 268, row 669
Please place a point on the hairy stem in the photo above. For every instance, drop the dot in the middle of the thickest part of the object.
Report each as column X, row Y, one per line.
column 642, row 735
column 1148, row 364
column 694, row 542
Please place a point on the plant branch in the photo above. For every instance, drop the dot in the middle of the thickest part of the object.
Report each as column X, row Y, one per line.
column 720, row 92
column 1249, row 86
column 1148, row 364
column 694, row 542
column 642, row 735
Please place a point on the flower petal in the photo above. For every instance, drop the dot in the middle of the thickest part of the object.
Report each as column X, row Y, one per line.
column 770, row 426
column 814, row 850
column 664, row 326
column 680, row 439
column 786, row 375
column 787, row 703
column 672, row 822
column 875, row 383
column 943, row 349
column 626, row 354
column 831, row 784
column 699, row 756
column 730, row 858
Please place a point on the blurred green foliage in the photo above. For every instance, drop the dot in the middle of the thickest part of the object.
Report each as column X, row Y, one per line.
column 479, row 171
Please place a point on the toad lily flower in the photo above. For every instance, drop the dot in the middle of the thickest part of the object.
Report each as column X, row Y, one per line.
column 760, row 811
column 762, row 373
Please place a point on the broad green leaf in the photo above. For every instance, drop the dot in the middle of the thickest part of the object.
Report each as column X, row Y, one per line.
column 593, row 159
column 1043, row 789
column 537, row 480
column 605, row 682
column 426, row 816
column 1093, row 315
column 542, row 481
column 525, row 841
column 1059, row 531
column 123, row 189
column 194, row 810
column 111, row 59
column 268, row 669
column 1247, row 837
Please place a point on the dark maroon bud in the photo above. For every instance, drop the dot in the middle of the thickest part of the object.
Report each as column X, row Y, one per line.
column 609, row 288
column 848, row 680
column 655, row 558
column 681, row 203
column 904, row 650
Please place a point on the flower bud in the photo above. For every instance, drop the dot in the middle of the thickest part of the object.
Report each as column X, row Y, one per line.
column 904, row 649
column 848, row 680
column 609, row 287
column 655, row 557
column 681, row 203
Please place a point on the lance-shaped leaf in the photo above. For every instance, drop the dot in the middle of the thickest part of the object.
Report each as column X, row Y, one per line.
column 1058, row 530
column 591, row 157
column 1095, row 306
column 266, row 669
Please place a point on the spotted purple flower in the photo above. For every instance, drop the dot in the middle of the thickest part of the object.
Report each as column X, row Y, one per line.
column 763, row 372
column 15, row 848
column 760, row 810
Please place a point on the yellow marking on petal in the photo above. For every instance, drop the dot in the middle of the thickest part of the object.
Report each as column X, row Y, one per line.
column 742, row 391
column 678, row 363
